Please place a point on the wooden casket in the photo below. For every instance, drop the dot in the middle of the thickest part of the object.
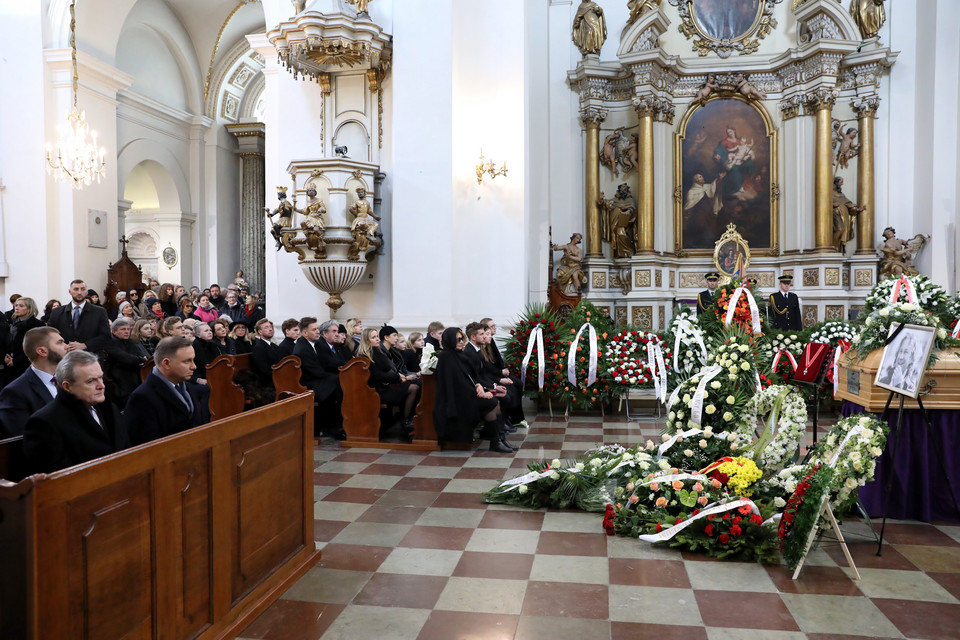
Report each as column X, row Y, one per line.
column 942, row 379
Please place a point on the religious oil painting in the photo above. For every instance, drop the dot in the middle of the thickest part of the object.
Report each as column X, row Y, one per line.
column 725, row 175
column 725, row 19
column 904, row 359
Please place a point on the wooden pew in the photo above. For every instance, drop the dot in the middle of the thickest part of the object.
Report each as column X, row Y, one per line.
column 424, row 432
column 361, row 412
column 145, row 369
column 286, row 378
column 12, row 461
column 226, row 396
column 189, row 536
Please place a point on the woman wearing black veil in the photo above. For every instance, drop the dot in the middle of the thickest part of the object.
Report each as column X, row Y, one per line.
column 461, row 400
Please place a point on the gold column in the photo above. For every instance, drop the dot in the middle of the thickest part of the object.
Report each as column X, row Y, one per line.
column 866, row 110
column 823, row 173
column 645, row 201
column 591, row 118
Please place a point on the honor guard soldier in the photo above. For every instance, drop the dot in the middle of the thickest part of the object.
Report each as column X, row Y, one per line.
column 785, row 307
column 705, row 297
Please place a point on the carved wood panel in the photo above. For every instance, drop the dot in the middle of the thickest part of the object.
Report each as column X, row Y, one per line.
column 192, row 519
column 267, row 493
column 109, row 553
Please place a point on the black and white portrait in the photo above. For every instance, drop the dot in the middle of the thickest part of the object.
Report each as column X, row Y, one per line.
column 905, row 359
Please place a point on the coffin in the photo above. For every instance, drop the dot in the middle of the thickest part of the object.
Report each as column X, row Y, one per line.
column 943, row 380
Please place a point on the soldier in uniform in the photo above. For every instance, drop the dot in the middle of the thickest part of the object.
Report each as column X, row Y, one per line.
column 705, row 297
column 784, row 309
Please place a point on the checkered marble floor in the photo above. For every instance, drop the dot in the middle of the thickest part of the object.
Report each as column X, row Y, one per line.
column 410, row 552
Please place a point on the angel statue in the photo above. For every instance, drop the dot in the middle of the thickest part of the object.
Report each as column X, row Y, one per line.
column 589, row 28
column 570, row 276
column 609, row 152
column 844, row 143
column 361, row 6
column 639, row 7
column 896, row 255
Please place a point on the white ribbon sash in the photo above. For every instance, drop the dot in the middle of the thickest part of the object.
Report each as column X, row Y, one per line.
column 658, row 370
column 843, row 443
column 839, row 351
column 776, row 360
column 674, row 530
column 572, row 356
column 754, row 310
column 696, row 410
column 686, row 328
column 669, row 443
column 699, row 477
column 536, row 339
column 527, row 478
column 905, row 283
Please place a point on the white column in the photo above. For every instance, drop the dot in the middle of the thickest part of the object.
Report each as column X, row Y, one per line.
column 796, row 184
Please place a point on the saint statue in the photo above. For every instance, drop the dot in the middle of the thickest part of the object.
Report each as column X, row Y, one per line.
column 284, row 211
column 240, row 281
column 896, row 255
column 364, row 225
column 869, row 16
column 844, row 213
column 312, row 225
column 617, row 218
column 589, row 28
column 639, row 7
column 570, row 276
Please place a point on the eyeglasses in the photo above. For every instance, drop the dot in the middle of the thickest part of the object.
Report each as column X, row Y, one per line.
column 461, row 339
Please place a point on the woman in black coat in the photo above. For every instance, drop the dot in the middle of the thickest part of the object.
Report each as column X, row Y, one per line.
column 461, row 400
column 394, row 388
column 23, row 318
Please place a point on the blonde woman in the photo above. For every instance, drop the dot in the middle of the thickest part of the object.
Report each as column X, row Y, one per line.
column 395, row 388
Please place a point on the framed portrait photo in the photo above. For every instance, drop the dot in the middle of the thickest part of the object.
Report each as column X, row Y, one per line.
column 904, row 360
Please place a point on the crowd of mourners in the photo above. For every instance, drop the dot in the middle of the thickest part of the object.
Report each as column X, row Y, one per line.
column 72, row 381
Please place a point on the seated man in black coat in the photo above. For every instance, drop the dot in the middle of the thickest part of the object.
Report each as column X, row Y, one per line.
column 264, row 354
column 166, row 403
column 36, row 387
column 291, row 332
column 79, row 425
column 82, row 324
column 320, row 364
column 122, row 362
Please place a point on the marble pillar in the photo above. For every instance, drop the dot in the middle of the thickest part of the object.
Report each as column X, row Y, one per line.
column 250, row 138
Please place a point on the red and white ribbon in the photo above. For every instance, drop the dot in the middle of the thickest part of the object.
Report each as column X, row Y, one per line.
column 776, row 360
column 956, row 330
column 536, row 339
column 572, row 356
column 754, row 309
column 906, row 284
column 842, row 347
column 708, row 511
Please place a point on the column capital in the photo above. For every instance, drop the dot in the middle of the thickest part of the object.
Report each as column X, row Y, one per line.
column 661, row 109
column 865, row 106
column 250, row 136
column 591, row 115
column 821, row 98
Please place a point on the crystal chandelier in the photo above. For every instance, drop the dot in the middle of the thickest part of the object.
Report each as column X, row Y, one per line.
column 77, row 158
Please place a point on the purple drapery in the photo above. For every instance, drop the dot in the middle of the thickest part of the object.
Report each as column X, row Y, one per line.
column 919, row 489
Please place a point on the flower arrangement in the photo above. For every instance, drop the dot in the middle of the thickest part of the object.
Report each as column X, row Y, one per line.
column 737, row 474
column 688, row 354
column 741, row 315
column 785, row 415
column 782, row 369
column 833, row 332
column 930, row 296
column 626, row 361
column 852, row 448
column 428, row 361
column 801, row 514
column 580, row 395
column 876, row 328
column 516, row 349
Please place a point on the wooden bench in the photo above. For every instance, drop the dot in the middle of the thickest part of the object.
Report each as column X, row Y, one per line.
column 286, row 378
column 226, row 396
column 145, row 369
column 12, row 462
column 189, row 536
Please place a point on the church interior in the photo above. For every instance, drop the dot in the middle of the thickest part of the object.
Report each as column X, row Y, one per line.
column 412, row 162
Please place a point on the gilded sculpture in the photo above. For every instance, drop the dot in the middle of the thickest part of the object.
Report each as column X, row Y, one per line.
column 312, row 225
column 620, row 150
column 589, row 28
column 747, row 90
column 844, row 142
column 284, row 213
column 364, row 225
column 361, row 6
column 240, row 281
column 639, row 7
column 869, row 16
column 570, row 275
column 618, row 218
column 897, row 256
column 845, row 213
column 706, row 90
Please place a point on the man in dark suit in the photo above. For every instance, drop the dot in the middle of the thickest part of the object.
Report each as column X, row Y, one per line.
column 83, row 325
column 291, row 332
column 166, row 403
column 320, row 364
column 265, row 354
column 705, row 297
column 785, row 307
column 36, row 387
column 79, row 425
column 486, row 374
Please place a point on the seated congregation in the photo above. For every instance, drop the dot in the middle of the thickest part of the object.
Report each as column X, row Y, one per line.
column 78, row 385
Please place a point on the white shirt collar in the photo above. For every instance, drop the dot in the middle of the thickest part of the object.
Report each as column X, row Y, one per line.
column 46, row 379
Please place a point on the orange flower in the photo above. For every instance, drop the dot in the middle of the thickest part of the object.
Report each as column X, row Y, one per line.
column 654, row 486
column 661, row 501
column 634, row 499
column 677, row 485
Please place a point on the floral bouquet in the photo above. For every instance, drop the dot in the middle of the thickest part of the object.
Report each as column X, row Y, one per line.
column 580, row 395
column 876, row 328
column 800, row 513
column 833, row 332
column 784, row 412
column 930, row 296
column 782, row 344
column 535, row 315
column 626, row 360
column 741, row 314
column 428, row 361
column 687, row 354
column 852, row 448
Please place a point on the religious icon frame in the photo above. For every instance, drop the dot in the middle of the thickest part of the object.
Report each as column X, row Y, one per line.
column 748, row 41
column 772, row 133
column 731, row 240
column 922, row 339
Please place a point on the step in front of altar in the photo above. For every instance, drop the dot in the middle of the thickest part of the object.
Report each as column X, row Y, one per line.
column 856, row 382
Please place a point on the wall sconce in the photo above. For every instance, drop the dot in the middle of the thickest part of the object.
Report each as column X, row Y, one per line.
column 488, row 168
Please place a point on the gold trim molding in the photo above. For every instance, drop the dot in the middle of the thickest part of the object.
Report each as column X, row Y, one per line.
column 748, row 42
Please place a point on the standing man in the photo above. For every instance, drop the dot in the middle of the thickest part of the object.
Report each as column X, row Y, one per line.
column 320, row 365
column 705, row 297
column 36, row 387
column 167, row 402
column 84, row 326
column 784, row 308
column 79, row 425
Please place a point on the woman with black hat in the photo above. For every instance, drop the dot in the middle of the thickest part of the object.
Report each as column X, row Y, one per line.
column 461, row 400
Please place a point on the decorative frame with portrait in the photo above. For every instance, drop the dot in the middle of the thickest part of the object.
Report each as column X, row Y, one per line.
column 708, row 144
column 730, row 250
column 726, row 26
column 904, row 359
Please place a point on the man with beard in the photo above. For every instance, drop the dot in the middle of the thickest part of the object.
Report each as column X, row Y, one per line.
column 36, row 387
column 82, row 324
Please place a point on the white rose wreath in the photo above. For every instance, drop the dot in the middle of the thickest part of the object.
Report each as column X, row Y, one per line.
column 777, row 449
